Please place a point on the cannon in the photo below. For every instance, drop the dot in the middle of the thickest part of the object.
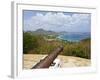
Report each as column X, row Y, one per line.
column 48, row 60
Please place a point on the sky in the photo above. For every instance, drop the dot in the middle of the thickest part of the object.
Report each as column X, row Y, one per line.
column 56, row 21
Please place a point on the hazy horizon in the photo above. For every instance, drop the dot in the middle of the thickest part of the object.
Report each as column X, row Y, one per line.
column 54, row 31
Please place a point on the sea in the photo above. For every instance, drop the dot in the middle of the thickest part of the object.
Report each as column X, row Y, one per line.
column 74, row 36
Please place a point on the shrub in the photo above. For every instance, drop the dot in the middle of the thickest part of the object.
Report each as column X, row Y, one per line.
column 29, row 42
column 79, row 49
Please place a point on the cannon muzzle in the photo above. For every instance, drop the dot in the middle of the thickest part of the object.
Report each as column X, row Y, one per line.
column 48, row 60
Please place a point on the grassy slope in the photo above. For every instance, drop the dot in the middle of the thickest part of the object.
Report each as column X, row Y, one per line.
column 80, row 49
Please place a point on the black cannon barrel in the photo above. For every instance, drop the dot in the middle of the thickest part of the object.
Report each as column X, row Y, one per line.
column 48, row 60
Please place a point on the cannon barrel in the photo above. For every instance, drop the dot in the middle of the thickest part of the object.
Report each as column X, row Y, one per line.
column 48, row 60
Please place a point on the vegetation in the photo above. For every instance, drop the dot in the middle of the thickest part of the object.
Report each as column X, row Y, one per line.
column 29, row 42
column 79, row 49
column 44, row 44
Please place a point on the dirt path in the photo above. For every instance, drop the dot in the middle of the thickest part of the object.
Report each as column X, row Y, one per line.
column 66, row 61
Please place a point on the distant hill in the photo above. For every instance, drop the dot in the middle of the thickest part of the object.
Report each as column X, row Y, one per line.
column 40, row 30
column 44, row 32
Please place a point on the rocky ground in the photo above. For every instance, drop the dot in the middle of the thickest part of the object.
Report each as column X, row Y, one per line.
column 66, row 61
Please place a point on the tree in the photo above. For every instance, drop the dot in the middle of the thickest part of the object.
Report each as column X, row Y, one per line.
column 29, row 42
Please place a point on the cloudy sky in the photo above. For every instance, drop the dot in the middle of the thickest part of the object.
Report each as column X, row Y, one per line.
column 56, row 21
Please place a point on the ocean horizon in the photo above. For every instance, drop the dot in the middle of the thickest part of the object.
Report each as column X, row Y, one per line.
column 74, row 36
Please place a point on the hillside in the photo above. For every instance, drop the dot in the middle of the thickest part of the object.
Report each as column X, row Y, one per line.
column 43, row 32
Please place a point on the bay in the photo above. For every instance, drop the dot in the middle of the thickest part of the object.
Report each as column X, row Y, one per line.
column 74, row 36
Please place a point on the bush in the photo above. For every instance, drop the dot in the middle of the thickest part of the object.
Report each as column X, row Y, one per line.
column 29, row 42
column 79, row 49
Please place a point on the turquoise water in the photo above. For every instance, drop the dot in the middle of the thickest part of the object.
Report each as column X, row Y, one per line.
column 74, row 36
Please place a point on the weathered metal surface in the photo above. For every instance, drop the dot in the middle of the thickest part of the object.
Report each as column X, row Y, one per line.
column 48, row 60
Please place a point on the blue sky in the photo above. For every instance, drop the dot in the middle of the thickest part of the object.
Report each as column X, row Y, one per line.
column 56, row 21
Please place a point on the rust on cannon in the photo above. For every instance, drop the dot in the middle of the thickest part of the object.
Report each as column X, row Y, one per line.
column 48, row 60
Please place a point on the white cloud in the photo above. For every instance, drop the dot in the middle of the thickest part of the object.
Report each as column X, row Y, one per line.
column 58, row 22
